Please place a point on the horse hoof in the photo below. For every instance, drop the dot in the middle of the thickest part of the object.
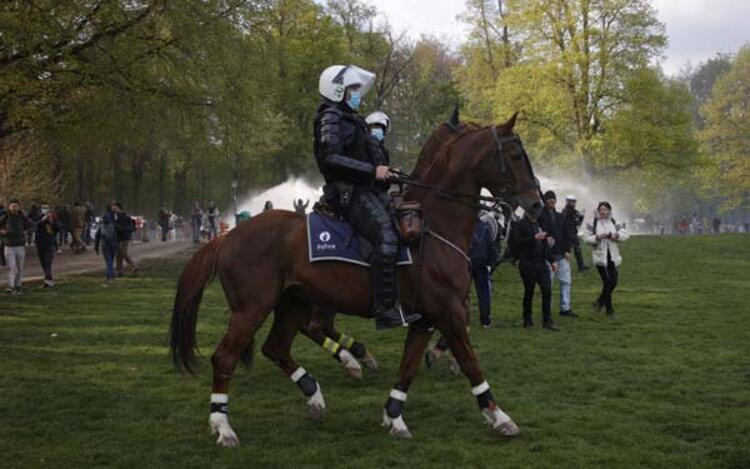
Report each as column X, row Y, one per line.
column 508, row 429
column 370, row 362
column 228, row 441
column 219, row 423
column 397, row 427
column 316, row 405
column 500, row 421
column 351, row 365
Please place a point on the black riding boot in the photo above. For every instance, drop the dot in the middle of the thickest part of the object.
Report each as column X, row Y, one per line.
column 388, row 312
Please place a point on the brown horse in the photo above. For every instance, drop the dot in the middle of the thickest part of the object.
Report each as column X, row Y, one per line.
column 321, row 329
column 263, row 266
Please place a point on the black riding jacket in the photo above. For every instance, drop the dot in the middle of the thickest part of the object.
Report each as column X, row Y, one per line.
column 344, row 151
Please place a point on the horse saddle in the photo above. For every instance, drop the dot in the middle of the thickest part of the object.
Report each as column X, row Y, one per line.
column 331, row 238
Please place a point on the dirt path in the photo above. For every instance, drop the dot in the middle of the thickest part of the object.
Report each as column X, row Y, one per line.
column 68, row 263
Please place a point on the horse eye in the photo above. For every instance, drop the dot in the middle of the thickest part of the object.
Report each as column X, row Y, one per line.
column 516, row 151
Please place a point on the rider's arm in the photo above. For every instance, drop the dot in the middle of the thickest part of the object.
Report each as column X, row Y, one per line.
column 331, row 151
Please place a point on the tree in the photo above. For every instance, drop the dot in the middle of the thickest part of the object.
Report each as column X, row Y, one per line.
column 726, row 137
column 577, row 60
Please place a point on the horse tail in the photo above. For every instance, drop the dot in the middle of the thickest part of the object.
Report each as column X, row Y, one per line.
column 197, row 274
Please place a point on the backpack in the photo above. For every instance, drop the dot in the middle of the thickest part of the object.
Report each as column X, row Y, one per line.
column 108, row 229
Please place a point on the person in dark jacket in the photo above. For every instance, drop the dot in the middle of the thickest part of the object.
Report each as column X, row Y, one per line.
column 484, row 257
column 574, row 220
column 555, row 225
column 213, row 221
column 13, row 227
column 356, row 173
column 125, row 229
column 63, row 215
column 196, row 222
column 47, row 227
column 89, row 219
column 164, row 224
column 535, row 263
column 106, row 237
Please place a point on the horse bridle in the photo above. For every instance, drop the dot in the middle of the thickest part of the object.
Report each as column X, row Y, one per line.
column 471, row 200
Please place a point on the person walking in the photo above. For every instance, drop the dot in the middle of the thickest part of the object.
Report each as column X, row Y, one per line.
column 77, row 223
column 164, row 224
column 529, row 244
column 196, row 220
column 605, row 235
column 13, row 227
column 63, row 214
column 106, row 237
column 89, row 219
column 213, row 221
column 125, row 228
column 47, row 227
column 573, row 222
column 484, row 257
column 554, row 224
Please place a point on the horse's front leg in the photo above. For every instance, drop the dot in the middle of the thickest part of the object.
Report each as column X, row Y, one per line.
column 457, row 338
column 416, row 343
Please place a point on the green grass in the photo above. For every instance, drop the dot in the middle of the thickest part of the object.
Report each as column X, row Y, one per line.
column 666, row 384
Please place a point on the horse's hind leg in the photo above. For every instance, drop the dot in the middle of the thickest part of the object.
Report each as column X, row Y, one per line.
column 338, row 352
column 457, row 337
column 289, row 317
column 358, row 349
column 239, row 336
column 417, row 341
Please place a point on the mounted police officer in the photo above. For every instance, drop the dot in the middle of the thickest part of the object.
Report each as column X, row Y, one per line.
column 356, row 173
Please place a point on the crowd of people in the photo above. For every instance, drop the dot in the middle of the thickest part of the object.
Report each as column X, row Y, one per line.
column 543, row 249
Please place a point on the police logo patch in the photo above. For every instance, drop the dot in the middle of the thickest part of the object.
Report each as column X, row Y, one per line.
column 325, row 237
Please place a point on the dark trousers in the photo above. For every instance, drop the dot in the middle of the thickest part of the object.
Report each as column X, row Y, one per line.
column 370, row 217
column 481, row 275
column 609, row 283
column 46, row 252
column 109, row 250
column 579, row 257
column 533, row 274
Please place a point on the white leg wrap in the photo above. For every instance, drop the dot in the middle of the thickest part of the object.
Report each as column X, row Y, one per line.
column 398, row 395
column 219, row 398
column 480, row 388
column 298, row 373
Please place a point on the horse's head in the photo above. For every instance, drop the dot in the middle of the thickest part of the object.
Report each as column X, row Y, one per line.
column 500, row 164
column 444, row 132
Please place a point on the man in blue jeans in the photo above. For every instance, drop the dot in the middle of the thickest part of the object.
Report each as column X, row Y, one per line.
column 558, row 239
column 484, row 257
column 106, row 236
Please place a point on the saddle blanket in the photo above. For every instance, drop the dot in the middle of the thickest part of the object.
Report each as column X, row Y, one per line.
column 329, row 239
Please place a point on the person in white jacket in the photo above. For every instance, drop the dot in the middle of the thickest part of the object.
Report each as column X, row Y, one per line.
column 605, row 235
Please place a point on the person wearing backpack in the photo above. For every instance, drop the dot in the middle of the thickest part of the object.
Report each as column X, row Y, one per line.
column 106, row 236
column 605, row 235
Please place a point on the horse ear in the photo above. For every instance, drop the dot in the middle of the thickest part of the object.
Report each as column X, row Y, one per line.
column 511, row 122
column 454, row 118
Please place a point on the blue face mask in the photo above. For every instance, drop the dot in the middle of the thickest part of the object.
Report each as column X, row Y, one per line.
column 355, row 99
column 377, row 133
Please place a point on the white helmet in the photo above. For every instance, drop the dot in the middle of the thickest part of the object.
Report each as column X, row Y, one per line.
column 571, row 197
column 379, row 118
column 335, row 79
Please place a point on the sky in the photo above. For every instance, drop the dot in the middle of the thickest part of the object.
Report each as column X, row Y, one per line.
column 697, row 29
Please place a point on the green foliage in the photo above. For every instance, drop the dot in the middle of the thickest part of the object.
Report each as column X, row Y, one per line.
column 726, row 136
column 665, row 385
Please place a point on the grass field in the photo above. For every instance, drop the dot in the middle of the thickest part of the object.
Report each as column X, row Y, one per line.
column 86, row 381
